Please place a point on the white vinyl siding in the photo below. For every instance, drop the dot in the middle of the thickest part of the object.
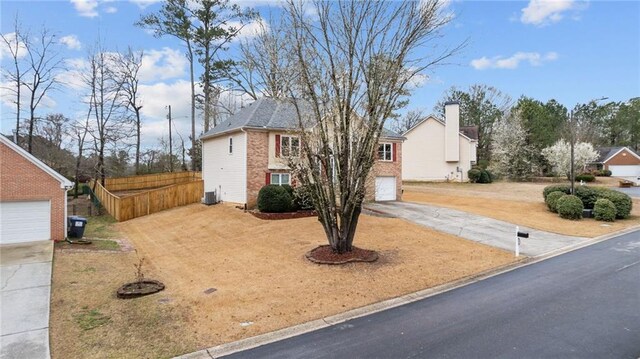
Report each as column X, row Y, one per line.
column 223, row 171
column 25, row 221
column 423, row 154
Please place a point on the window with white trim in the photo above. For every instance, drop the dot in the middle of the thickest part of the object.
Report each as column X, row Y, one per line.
column 289, row 146
column 280, row 179
column 230, row 145
column 385, row 152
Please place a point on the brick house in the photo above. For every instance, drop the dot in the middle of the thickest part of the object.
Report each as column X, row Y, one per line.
column 621, row 161
column 33, row 197
column 248, row 150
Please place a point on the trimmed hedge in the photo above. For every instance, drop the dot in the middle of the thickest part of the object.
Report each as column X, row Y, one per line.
column 474, row 175
column 552, row 200
column 586, row 177
column 621, row 200
column 570, row 207
column 274, row 199
column 604, row 210
column 589, row 195
column 479, row 175
column 553, row 188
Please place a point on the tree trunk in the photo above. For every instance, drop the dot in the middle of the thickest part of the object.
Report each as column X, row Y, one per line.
column 137, row 165
column 193, row 104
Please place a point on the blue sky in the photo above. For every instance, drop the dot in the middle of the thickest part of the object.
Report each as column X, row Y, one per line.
column 571, row 51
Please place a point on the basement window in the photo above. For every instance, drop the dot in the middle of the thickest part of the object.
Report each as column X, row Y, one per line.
column 280, row 179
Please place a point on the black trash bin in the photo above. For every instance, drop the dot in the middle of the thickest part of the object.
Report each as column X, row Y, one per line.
column 75, row 226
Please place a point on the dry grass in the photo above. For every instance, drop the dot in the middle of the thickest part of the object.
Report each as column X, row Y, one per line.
column 88, row 321
column 258, row 270
column 518, row 203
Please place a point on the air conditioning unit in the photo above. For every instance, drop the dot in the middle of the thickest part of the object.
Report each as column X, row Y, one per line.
column 210, row 198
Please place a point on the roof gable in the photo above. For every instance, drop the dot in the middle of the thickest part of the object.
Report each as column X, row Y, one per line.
column 64, row 182
column 607, row 153
column 441, row 122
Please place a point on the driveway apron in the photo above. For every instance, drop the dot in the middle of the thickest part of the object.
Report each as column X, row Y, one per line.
column 25, row 276
column 476, row 228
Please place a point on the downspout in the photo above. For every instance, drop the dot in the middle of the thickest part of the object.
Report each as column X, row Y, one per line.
column 66, row 209
column 246, row 169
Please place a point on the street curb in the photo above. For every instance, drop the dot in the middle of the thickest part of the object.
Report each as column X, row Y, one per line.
column 267, row 338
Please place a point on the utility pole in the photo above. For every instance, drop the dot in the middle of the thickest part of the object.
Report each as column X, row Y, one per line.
column 170, row 143
column 572, row 133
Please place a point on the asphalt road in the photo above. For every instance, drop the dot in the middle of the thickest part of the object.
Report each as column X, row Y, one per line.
column 583, row 304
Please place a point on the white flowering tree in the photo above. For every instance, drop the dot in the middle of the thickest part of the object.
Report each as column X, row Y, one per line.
column 559, row 156
column 511, row 155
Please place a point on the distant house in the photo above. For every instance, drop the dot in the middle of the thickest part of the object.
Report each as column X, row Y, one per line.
column 33, row 197
column 439, row 150
column 621, row 161
column 249, row 150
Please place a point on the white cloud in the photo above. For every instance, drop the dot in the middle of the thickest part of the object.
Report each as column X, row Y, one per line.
column 499, row 62
column 111, row 10
column 544, row 12
column 162, row 65
column 73, row 76
column 144, row 3
column 86, row 8
column 251, row 29
column 71, row 42
column 5, row 51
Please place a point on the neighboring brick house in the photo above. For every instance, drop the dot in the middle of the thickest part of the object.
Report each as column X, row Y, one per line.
column 621, row 161
column 33, row 197
column 246, row 152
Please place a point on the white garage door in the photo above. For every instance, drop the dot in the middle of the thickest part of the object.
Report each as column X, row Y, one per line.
column 625, row 170
column 385, row 188
column 25, row 221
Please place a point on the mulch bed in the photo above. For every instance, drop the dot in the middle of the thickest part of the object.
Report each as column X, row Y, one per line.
column 139, row 289
column 285, row 215
column 325, row 255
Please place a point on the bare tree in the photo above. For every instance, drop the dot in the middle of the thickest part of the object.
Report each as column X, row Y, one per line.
column 265, row 66
column 406, row 122
column 106, row 107
column 127, row 67
column 45, row 65
column 355, row 61
column 15, row 44
column 174, row 19
column 79, row 132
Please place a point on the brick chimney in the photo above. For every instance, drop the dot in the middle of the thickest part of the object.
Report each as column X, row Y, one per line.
column 452, row 131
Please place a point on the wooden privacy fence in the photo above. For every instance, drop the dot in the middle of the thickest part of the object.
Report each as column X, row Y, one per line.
column 152, row 201
column 150, row 181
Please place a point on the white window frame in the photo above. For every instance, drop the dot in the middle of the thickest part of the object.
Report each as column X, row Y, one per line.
column 230, row 145
column 385, row 152
column 279, row 176
column 289, row 147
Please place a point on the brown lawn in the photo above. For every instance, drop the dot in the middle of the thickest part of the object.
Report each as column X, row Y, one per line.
column 262, row 280
column 518, row 203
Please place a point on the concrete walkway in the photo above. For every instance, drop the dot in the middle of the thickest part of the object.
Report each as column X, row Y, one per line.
column 475, row 227
column 25, row 292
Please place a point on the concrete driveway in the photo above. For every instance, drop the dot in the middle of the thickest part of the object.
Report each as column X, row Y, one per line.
column 476, row 228
column 25, row 277
column 631, row 191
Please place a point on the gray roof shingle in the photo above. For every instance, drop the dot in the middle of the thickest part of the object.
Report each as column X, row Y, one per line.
column 605, row 153
column 270, row 114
